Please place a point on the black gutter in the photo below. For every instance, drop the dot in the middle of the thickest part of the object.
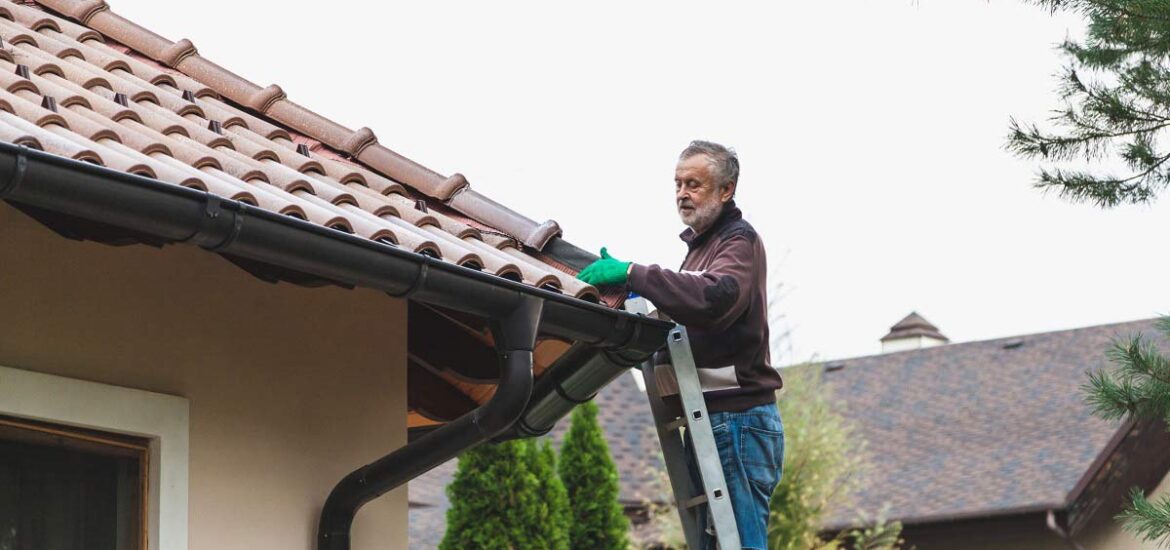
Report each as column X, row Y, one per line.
column 176, row 214
column 607, row 341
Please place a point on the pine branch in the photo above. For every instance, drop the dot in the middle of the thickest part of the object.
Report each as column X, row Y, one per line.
column 1148, row 521
column 1109, row 398
column 1101, row 191
column 1139, row 387
column 1121, row 117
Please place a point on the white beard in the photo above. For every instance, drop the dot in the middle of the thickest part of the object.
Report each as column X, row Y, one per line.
column 701, row 218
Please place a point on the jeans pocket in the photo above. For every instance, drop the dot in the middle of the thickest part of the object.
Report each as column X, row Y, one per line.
column 762, row 454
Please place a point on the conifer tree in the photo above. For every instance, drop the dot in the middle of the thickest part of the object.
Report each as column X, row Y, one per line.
column 1139, row 387
column 1116, row 107
column 488, row 478
column 549, row 522
column 1115, row 95
column 591, row 480
column 506, row 496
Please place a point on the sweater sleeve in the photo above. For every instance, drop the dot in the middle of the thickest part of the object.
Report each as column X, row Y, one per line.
column 712, row 299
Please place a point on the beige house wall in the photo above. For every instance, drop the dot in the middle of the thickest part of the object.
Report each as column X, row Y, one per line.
column 289, row 388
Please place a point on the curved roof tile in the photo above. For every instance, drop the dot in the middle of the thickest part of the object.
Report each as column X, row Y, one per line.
column 129, row 99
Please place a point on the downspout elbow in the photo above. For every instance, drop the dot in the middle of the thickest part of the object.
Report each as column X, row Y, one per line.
column 515, row 336
column 511, row 397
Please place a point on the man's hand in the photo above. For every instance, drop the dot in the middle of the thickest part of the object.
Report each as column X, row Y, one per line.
column 605, row 271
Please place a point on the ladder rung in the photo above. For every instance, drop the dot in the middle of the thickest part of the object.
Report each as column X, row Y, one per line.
column 676, row 424
column 701, row 499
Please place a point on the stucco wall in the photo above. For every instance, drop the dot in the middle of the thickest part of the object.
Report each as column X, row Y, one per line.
column 289, row 388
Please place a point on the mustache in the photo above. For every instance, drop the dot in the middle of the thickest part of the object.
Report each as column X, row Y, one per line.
column 685, row 202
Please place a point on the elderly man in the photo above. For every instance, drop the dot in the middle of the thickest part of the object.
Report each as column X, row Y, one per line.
column 720, row 295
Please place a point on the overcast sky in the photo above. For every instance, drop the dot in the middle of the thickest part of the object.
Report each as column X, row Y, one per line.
column 870, row 133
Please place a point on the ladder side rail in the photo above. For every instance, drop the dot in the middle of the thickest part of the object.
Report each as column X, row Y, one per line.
column 703, row 439
column 674, row 456
column 670, row 441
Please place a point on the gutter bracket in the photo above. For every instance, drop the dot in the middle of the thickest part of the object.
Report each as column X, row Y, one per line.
column 218, row 227
column 419, row 281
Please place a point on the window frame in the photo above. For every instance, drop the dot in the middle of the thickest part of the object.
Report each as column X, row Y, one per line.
column 162, row 420
column 93, row 443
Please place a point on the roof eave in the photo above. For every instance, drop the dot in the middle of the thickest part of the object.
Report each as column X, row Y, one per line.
column 176, row 214
column 958, row 517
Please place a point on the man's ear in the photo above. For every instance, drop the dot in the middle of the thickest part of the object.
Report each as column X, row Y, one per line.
column 727, row 193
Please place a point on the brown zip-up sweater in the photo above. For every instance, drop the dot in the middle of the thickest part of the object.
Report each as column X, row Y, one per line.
column 721, row 296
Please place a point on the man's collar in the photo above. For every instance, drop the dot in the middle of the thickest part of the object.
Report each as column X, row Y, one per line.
column 729, row 214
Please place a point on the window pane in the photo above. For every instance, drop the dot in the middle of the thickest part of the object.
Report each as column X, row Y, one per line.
column 56, row 495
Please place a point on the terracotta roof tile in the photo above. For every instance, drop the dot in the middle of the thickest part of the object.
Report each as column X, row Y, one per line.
column 272, row 102
column 92, row 86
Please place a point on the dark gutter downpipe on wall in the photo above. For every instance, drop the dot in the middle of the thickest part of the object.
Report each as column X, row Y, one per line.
column 515, row 337
column 576, row 377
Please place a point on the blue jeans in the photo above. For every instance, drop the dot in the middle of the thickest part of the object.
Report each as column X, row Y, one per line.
column 751, row 451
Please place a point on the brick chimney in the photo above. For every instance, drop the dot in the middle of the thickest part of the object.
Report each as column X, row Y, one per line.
column 913, row 332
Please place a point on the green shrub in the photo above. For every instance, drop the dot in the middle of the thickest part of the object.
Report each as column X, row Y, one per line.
column 823, row 460
column 591, row 480
column 507, row 496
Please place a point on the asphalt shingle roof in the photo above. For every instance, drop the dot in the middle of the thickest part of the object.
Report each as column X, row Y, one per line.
column 967, row 429
column 977, row 428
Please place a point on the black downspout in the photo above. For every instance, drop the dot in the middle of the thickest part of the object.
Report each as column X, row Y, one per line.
column 515, row 336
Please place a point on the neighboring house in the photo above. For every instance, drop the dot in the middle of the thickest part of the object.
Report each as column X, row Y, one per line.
column 972, row 444
column 158, row 397
column 991, row 445
column 625, row 418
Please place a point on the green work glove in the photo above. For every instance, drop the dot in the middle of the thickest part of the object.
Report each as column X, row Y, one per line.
column 605, row 271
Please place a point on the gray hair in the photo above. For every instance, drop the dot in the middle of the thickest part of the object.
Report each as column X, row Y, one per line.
column 723, row 160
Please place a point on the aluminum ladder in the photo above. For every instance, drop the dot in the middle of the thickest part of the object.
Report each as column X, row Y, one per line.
column 688, row 498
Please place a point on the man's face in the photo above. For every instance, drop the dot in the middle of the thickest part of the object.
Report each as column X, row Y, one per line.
column 697, row 193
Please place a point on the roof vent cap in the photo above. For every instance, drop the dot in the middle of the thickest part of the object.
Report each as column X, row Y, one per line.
column 1013, row 343
column 912, row 332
